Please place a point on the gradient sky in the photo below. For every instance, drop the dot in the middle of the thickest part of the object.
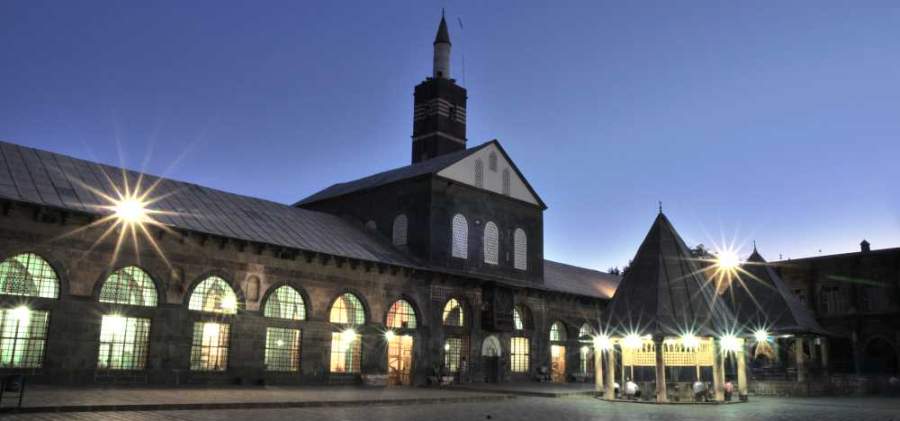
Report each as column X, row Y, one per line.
column 777, row 121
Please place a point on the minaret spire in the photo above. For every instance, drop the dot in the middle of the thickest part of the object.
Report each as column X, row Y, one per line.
column 442, row 50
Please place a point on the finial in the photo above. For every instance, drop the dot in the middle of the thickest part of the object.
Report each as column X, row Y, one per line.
column 442, row 13
column 660, row 207
column 754, row 245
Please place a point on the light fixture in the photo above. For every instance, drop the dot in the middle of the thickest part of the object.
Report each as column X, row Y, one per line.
column 130, row 210
column 229, row 302
column 446, row 347
column 690, row 341
column 602, row 342
column 730, row 343
column 21, row 314
column 348, row 336
column 116, row 324
column 210, row 332
column 761, row 335
column 390, row 335
column 632, row 341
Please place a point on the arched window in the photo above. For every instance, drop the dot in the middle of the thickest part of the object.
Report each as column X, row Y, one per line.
column 28, row 275
column 519, row 344
column 506, row 181
column 213, row 295
column 401, row 315
column 557, row 332
column 518, row 319
column 520, row 250
column 492, row 161
column 491, row 243
column 347, row 310
column 399, row 230
column 131, row 286
column 453, row 314
column 285, row 303
column 585, row 333
column 460, row 246
column 479, row 173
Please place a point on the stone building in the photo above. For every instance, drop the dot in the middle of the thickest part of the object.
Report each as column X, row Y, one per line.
column 406, row 276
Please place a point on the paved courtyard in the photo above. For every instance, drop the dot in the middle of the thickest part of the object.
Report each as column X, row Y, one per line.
column 534, row 408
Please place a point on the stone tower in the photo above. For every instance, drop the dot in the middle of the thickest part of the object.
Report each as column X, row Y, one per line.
column 439, row 116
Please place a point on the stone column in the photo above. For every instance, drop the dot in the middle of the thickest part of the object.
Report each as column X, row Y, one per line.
column 610, row 392
column 801, row 359
column 741, row 357
column 661, row 393
column 718, row 370
column 826, row 364
column 598, row 369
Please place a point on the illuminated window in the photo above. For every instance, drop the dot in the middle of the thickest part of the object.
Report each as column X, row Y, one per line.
column 491, row 243
column 401, row 315
column 520, row 249
column 557, row 332
column 129, row 285
column 214, row 295
column 585, row 333
column 453, row 314
column 586, row 359
column 346, row 351
column 492, row 161
column 454, row 350
column 123, row 343
column 399, row 230
column 28, row 275
column 518, row 318
column 23, row 336
column 479, row 173
column 285, row 303
column 460, row 246
column 282, row 349
column 209, row 350
column 347, row 310
column 506, row 181
column 518, row 354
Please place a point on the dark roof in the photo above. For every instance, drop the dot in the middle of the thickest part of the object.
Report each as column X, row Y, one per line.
column 850, row 255
column 58, row 181
column 443, row 35
column 578, row 280
column 761, row 299
column 665, row 292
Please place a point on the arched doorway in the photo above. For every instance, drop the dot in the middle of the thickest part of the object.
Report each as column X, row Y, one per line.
column 880, row 357
column 490, row 359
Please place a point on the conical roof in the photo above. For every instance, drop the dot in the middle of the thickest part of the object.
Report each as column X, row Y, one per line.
column 665, row 292
column 443, row 35
column 762, row 300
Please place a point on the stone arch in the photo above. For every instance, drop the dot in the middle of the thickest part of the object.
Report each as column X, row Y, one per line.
column 879, row 356
column 490, row 347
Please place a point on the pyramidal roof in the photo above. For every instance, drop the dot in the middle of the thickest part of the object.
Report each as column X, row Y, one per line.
column 443, row 35
column 665, row 292
column 763, row 300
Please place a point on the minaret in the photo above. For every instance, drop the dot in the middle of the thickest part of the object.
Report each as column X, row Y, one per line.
column 439, row 115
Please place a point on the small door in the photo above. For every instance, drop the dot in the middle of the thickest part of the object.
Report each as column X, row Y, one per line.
column 400, row 353
column 491, row 369
column 557, row 363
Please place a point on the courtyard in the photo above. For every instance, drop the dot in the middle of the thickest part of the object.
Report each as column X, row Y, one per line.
column 532, row 408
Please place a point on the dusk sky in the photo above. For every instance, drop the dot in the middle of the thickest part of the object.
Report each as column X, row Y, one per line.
column 777, row 121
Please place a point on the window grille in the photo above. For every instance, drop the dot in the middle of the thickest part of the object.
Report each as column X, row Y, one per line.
column 285, row 303
column 585, row 360
column 28, row 275
column 585, row 333
column 282, row 349
column 23, row 337
column 399, row 230
column 455, row 348
column 460, row 246
column 492, row 161
column 131, row 286
column 348, row 310
column 209, row 350
column 518, row 354
column 520, row 250
column 123, row 343
column 213, row 295
column 346, row 352
column 401, row 315
column 557, row 332
column 491, row 243
column 479, row 173
column 453, row 314
column 506, row 181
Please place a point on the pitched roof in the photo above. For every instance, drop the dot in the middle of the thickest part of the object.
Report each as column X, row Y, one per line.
column 763, row 300
column 665, row 292
column 431, row 166
column 443, row 35
column 578, row 280
column 44, row 178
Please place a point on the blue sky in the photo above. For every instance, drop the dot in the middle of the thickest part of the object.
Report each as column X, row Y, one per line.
column 773, row 121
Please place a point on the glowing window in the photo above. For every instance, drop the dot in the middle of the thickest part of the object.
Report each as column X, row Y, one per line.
column 518, row 354
column 282, row 349
column 214, row 295
column 520, row 250
column 585, row 333
column 346, row 352
column 518, row 320
column 491, row 243
column 586, row 360
column 460, row 246
column 209, row 350
column 479, row 173
column 506, row 181
column 129, row 285
column 455, row 349
column 453, row 314
column 123, row 343
column 348, row 310
column 401, row 315
column 285, row 303
column 492, row 161
column 28, row 275
column 557, row 332
column 399, row 230
column 23, row 337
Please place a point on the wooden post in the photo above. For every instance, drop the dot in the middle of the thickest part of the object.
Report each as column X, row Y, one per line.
column 718, row 370
column 801, row 359
column 742, row 371
column 661, row 392
column 610, row 392
column 598, row 368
